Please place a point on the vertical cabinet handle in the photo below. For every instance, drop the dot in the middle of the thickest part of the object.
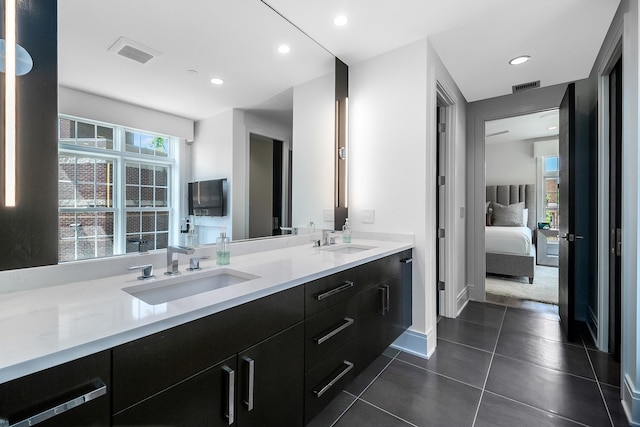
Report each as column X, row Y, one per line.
column 251, row 371
column 388, row 305
column 385, row 298
column 230, row 397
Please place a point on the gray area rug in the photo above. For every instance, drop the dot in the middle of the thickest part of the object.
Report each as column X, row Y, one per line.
column 543, row 289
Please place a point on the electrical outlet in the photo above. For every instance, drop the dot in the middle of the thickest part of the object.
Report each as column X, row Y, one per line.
column 368, row 216
column 328, row 215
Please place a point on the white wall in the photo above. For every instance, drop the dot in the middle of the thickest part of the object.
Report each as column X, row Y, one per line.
column 392, row 101
column 510, row 163
column 90, row 106
column 313, row 145
column 212, row 152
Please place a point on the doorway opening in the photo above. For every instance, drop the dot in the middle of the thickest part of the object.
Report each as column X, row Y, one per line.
column 269, row 187
column 522, row 209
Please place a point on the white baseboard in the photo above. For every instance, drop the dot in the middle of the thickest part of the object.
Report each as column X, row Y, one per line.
column 462, row 300
column 413, row 343
column 631, row 402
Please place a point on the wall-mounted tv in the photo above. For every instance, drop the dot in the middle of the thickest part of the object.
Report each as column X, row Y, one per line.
column 208, row 198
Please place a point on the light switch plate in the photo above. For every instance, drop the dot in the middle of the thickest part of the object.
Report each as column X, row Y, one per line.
column 368, row 216
column 328, row 215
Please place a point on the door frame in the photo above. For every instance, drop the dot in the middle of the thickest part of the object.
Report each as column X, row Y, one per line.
column 525, row 102
column 601, row 319
column 451, row 302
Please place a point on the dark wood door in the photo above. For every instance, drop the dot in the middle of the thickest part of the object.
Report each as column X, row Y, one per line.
column 615, row 208
column 271, row 381
column 206, row 399
column 573, row 220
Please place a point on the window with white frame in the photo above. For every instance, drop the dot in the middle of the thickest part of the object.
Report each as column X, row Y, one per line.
column 114, row 189
column 551, row 176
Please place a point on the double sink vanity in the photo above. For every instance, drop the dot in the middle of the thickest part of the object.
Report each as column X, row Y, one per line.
column 268, row 340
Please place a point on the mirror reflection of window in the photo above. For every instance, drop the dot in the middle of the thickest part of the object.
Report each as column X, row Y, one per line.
column 550, row 185
column 96, row 162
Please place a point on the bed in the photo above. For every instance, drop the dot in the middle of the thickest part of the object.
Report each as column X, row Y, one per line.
column 510, row 250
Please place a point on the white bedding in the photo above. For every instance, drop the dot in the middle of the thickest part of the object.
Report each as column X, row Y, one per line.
column 508, row 240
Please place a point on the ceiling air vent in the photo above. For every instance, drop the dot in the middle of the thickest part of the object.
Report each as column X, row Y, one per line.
column 133, row 50
column 525, row 86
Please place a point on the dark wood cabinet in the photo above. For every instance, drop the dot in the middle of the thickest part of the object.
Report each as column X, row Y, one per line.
column 205, row 399
column 76, row 393
column 380, row 317
column 351, row 318
column 271, row 381
column 241, row 366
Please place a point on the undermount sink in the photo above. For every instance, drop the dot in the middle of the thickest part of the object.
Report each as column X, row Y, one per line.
column 158, row 292
column 347, row 248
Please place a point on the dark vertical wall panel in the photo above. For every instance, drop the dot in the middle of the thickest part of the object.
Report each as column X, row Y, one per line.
column 342, row 93
column 29, row 232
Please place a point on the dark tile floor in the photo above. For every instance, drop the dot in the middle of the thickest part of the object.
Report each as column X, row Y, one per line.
column 494, row 366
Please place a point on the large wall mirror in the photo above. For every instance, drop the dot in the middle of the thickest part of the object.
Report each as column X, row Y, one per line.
column 148, row 65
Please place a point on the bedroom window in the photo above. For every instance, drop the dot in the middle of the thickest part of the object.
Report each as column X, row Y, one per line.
column 114, row 188
column 550, row 184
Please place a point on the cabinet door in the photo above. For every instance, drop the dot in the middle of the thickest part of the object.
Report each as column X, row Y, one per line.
column 206, row 399
column 271, row 381
column 72, row 394
column 380, row 319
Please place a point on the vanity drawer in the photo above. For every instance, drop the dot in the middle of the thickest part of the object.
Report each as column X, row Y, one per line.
column 328, row 330
column 327, row 379
column 327, row 291
column 76, row 393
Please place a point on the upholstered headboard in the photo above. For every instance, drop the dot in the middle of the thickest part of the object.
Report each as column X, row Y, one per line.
column 510, row 194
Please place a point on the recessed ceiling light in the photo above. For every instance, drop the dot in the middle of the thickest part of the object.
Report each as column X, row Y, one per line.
column 217, row 81
column 283, row 48
column 552, row 127
column 340, row 20
column 520, row 60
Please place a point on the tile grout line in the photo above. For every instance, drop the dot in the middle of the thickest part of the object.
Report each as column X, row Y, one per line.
column 439, row 374
column 484, row 386
column 536, row 408
column 595, row 375
column 465, row 345
column 365, row 389
column 385, row 411
column 548, row 368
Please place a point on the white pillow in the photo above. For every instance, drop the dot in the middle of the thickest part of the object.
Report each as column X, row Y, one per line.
column 525, row 217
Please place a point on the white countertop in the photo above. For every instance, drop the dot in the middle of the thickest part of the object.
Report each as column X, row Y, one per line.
column 46, row 327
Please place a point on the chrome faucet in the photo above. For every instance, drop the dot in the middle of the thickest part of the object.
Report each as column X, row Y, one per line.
column 172, row 258
column 326, row 240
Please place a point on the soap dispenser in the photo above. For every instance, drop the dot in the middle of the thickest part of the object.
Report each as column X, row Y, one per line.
column 191, row 238
column 223, row 253
column 346, row 232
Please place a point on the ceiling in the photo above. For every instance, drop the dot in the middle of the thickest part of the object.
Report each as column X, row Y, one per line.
column 233, row 39
column 475, row 39
column 237, row 39
column 538, row 126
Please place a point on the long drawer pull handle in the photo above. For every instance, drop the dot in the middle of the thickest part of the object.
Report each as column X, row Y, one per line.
column 406, row 260
column 347, row 285
column 347, row 322
column 251, row 367
column 388, row 299
column 231, row 381
column 101, row 390
column 342, row 373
